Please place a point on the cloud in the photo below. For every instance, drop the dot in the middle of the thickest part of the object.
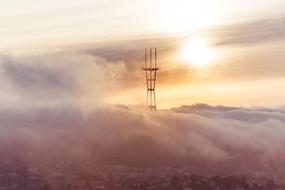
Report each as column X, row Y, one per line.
column 267, row 30
column 234, row 113
column 60, row 77
column 261, row 52
column 28, row 75
column 131, row 50
column 200, row 137
column 247, row 32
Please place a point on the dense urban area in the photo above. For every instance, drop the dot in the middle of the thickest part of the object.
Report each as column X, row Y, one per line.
column 99, row 177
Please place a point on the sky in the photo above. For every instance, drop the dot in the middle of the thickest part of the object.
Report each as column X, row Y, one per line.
column 218, row 52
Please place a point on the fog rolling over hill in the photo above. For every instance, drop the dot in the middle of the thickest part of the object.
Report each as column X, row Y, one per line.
column 56, row 107
column 200, row 137
column 74, row 86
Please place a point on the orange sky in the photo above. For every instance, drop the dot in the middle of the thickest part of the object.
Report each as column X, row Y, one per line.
column 210, row 51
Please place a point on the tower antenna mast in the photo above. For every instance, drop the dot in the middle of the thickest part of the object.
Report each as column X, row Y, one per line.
column 150, row 69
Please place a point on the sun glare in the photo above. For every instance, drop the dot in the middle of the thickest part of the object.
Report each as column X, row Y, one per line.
column 197, row 52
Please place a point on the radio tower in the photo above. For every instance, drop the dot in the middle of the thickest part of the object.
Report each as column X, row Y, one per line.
column 150, row 75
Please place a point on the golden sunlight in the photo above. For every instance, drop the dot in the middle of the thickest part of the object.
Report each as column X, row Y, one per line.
column 197, row 52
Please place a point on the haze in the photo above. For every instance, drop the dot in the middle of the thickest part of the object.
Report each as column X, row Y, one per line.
column 217, row 52
column 73, row 93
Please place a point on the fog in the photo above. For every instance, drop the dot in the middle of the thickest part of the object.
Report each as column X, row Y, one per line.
column 75, row 78
column 53, row 113
column 197, row 136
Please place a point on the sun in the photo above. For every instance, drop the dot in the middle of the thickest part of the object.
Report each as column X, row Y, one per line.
column 197, row 52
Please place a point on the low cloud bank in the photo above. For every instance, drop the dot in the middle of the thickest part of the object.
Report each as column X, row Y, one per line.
column 201, row 136
column 79, row 127
column 52, row 79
